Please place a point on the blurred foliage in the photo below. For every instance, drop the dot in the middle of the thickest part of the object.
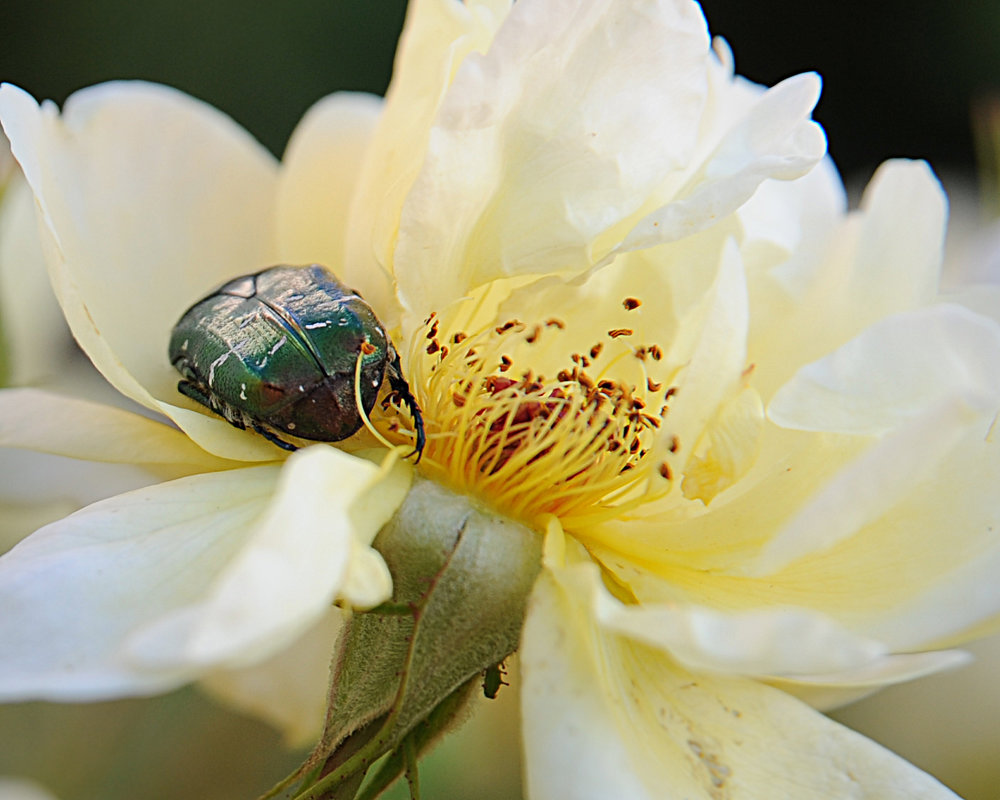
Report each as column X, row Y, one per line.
column 262, row 63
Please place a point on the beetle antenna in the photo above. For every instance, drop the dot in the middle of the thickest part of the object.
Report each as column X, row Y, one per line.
column 361, row 406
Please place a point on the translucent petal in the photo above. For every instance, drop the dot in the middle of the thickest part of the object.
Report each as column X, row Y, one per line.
column 893, row 371
column 289, row 689
column 605, row 717
column 33, row 333
column 148, row 199
column 827, row 691
column 77, row 589
column 437, row 36
column 291, row 567
column 153, row 588
column 561, row 130
column 775, row 140
column 318, row 175
column 51, row 423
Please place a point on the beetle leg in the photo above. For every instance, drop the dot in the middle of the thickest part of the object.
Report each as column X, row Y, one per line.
column 274, row 439
column 399, row 385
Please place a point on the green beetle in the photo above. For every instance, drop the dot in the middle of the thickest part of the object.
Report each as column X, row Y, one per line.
column 277, row 352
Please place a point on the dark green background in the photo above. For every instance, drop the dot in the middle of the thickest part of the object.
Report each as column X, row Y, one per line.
column 899, row 76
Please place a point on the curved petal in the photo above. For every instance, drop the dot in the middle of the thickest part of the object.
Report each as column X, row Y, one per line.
column 289, row 689
column 606, row 717
column 775, row 140
column 832, row 690
column 548, row 140
column 882, row 259
column 292, row 566
column 34, row 339
column 150, row 589
column 929, row 376
column 76, row 590
column 895, row 370
column 50, row 423
column 752, row 641
column 437, row 36
column 148, row 198
column 319, row 172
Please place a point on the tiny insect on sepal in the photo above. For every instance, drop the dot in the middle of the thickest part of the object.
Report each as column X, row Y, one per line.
column 493, row 679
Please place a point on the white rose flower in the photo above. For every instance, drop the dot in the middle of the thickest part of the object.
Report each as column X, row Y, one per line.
column 639, row 323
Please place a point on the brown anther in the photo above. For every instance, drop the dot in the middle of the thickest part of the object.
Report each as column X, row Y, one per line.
column 614, row 333
column 595, row 351
column 433, row 331
column 458, row 337
column 746, row 373
column 505, row 363
column 670, row 393
column 656, row 352
column 607, row 385
column 665, row 471
column 433, row 347
column 513, row 323
column 555, row 323
column 367, row 348
column 532, row 337
column 640, row 352
column 652, row 385
column 584, row 380
column 565, row 376
column 631, row 303
column 497, row 383
column 675, row 444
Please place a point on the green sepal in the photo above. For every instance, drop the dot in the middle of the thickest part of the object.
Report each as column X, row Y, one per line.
column 425, row 734
column 465, row 574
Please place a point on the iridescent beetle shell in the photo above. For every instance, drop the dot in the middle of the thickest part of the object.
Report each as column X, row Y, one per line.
column 277, row 352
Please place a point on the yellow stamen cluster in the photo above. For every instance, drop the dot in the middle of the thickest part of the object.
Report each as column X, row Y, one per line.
column 581, row 445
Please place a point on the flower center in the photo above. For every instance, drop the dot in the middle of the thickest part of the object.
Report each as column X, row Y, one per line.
column 583, row 445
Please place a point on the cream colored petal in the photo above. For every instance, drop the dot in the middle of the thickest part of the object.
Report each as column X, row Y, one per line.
column 289, row 689
column 51, row 423
column 881, row 260
column 946, row 723
column 559, row 132
column 832, row 690
column 437, row 36
column 761, row 641
column 38, row 489
column 34, row 339
column 148, row 199
column 290, row 569
column 712, row 346
column 900, row 246
column 75, row 591
column 894, row 371
column 930, row 377
column 319, row 172
column 915, row 572
column 607, row 717
column 775, row 140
